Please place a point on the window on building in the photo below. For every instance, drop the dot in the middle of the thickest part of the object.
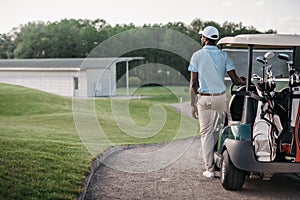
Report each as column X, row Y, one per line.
column 76, row 83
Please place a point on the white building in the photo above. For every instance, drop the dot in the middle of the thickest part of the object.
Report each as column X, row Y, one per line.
column 90, row 77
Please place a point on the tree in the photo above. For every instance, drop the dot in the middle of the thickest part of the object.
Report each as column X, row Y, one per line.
column 30, row 41
column 70, row 38
column 6, row 46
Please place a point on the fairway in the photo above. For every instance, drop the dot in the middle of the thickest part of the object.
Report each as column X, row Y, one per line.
column 41, row 153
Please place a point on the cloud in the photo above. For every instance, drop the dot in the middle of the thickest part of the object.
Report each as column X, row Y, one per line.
column 289, row 24
column 227, row 4
column 260, row 3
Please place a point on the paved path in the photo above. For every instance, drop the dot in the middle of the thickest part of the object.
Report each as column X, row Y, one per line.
column 181, row 179
column 177, row 175
column 184, row 108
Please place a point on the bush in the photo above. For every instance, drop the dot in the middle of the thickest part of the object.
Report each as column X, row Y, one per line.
column 134, row 81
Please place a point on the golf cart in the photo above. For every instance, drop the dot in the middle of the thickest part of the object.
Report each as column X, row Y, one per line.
column 262, row 136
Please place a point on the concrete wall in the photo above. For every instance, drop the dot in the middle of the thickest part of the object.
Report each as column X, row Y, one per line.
column 56, row 82
column 101, row 82
column 82, row 84
column 93, row 76
column 63, row 82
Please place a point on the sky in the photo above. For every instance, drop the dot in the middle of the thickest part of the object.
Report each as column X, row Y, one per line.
column 283, row 16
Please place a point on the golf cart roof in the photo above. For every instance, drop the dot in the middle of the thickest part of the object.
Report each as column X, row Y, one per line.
column 276, row 41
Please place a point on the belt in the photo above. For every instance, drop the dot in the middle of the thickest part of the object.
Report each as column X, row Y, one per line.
column 211, row 94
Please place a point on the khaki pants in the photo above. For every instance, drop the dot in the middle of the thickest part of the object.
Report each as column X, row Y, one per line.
column 209, row 108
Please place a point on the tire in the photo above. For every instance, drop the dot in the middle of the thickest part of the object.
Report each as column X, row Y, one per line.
column 232, row 178
column 217, row 168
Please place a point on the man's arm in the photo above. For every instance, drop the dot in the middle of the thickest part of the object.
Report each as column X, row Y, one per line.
column 235, row 79
column 194, row 85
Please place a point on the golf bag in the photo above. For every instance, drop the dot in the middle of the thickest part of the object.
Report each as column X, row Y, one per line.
column 267, row 128
column 290, row 142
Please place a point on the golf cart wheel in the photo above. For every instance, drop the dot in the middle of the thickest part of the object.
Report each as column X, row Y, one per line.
column 232, row 178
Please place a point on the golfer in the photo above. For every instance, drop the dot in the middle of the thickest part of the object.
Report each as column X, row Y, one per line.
column 207, row 91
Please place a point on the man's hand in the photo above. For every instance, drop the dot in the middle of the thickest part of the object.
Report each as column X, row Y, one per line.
column 243, row 80
column 235, row 79
column 194, row 111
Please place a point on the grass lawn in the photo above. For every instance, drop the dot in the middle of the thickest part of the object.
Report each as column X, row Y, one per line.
column 41, row 153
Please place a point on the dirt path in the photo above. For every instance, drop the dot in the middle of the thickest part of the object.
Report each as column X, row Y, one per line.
column 127, row 176
column 182, row 179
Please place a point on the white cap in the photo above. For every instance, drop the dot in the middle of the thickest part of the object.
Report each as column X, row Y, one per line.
column 210, row 32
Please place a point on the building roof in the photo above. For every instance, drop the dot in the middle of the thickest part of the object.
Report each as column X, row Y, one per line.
column 278, row 41
column 61, row 64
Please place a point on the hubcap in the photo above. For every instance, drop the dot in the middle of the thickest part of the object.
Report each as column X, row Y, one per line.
column 223, row 170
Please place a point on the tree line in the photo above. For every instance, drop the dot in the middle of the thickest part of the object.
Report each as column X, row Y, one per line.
column 76, row 38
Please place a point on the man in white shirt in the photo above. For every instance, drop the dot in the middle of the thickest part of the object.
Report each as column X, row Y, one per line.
column 208, row 67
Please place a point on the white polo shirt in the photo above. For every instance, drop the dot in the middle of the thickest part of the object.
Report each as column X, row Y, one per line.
column 211, row 64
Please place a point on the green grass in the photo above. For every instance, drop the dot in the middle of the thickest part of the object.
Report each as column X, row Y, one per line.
column 41, row 153
column 139, row 113
column 168, row 94
column 41, row 156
